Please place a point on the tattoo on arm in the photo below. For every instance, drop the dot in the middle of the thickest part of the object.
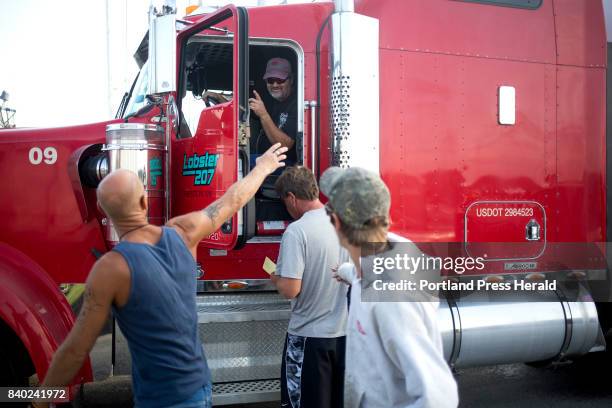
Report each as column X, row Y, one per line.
column 90, row 304
column 212, row 211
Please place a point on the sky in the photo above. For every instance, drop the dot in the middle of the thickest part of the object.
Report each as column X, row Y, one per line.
column 62, row 64
column 55, row 59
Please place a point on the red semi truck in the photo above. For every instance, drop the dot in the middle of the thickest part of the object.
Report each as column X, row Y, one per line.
column 486, row 118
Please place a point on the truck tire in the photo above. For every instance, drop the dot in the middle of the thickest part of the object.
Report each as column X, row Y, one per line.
column 15, row 364
column 10, row 374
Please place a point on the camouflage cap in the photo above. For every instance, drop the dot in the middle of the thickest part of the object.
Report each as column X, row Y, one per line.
column 355, row 194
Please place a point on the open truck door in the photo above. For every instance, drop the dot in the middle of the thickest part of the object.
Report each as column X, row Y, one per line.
column 209, row 145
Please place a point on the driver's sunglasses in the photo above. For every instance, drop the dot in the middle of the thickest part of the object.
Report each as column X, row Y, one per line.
column 272, row 81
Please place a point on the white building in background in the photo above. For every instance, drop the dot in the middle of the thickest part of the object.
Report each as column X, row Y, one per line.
column 70, row 61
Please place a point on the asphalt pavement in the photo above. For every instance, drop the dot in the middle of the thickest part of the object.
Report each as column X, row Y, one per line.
column 582, row 384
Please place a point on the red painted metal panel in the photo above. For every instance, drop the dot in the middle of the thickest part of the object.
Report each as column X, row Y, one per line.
column 443, row 146
column 579, row 206
column 580, row 33
column 463, row 28
column 245, row 263
column 205, row 166
column 41, row 209
column 299, row 22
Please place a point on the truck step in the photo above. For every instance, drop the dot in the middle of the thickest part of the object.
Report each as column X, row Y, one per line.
column 242, row 307
column 246, row 392
column 117, row 391
column 243, row 335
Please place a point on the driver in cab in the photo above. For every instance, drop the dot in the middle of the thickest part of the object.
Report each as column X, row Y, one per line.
column 279, row 118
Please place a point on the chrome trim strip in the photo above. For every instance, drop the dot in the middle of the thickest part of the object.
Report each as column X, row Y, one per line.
column 313, row 135
column 569, row 325
column 134, row 126
column 133, row 146
column 591, row 274
column 220, row 286
column 168, row 137
column 265, row 239
column 454, row 309
column 245, row 316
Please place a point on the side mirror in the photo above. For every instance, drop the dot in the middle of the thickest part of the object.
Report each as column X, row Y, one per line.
column 162, row 52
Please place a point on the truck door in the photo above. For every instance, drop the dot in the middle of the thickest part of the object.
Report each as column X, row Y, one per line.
column 212, row 58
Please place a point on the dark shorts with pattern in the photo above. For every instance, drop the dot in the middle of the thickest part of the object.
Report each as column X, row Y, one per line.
column 312, row 374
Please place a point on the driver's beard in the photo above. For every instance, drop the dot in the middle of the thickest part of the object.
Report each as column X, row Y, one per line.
column 277, row 96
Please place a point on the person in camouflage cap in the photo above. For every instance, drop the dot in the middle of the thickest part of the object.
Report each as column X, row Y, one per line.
column 361, row 201
column 394, row 354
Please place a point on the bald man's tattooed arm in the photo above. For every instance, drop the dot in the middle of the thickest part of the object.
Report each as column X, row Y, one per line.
column 199, row 224
column 212, row 211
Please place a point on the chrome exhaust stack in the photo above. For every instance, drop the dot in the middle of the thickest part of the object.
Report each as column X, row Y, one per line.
column 544, row 327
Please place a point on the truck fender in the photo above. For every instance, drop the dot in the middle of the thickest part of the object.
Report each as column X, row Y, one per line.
column 32, row 305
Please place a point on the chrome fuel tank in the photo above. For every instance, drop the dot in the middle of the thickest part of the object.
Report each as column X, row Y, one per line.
column 140, row 148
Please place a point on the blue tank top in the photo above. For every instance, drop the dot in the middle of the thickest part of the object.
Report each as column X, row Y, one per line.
column 160, row 321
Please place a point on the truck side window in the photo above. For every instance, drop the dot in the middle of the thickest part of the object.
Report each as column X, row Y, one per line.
column 208, row 79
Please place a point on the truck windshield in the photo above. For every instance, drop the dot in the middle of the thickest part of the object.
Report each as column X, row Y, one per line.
column 141, row 88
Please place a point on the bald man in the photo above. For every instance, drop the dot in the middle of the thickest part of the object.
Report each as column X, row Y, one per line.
column 148, row 280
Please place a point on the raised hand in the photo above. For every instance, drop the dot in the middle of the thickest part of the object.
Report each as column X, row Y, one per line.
column 257, row 105
column 272, row 159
